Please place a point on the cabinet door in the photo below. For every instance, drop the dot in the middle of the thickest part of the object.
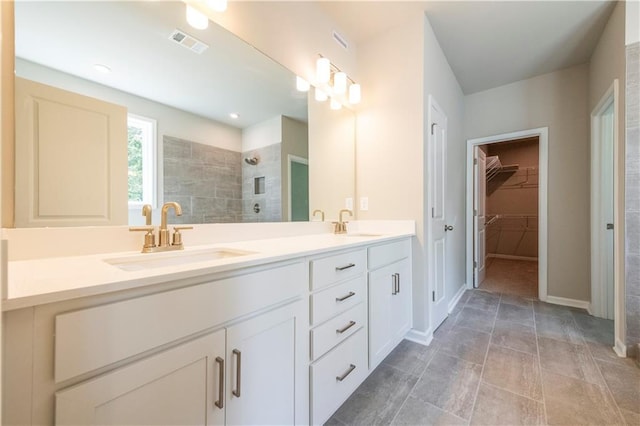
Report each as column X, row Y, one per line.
column 401, row 312
column 177, row 386
column 261, row 359
column 381, row 291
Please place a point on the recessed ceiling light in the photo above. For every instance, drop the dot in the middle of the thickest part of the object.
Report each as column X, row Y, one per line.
column 102, row 68
column 234, row 115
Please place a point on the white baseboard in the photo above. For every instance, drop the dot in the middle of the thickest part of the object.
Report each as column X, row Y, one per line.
column 510, row 257
column 620, row 349
column 421, row 337
column 583, row 304
column 456, row 298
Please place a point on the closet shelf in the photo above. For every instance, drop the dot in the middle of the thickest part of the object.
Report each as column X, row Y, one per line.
column 494, row 167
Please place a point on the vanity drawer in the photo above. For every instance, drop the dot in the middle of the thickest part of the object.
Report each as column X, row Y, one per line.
column 336, row 330
column 348, row 361
column 388, row 253
column 333, row 269
column 332, row 301
column 92, row 338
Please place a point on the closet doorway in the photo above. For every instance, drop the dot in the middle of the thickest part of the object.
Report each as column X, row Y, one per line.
column 506, row 213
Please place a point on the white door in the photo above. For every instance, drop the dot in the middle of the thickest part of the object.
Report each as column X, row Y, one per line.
column 479, row 218
column 177, row 386
column 71, row 158
column 261, row 369
column 437, row 224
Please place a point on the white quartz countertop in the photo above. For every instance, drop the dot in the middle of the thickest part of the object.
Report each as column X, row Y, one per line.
column 55, row 279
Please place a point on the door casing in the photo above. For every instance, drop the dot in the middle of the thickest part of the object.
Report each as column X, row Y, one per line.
column 543, row 140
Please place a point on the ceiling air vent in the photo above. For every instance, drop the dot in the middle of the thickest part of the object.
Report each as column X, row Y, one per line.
column 187, row 41
column 340, row 40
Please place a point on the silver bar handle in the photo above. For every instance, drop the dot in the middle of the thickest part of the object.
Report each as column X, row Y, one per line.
column 238, row 354
column 346, row 327
column 393, row 285
column 344, row 376
column 340, row 299
column 397, row 282
column 342, row 268
column 220, row 402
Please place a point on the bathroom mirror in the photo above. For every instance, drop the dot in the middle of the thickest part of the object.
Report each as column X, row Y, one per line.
column 231, row 131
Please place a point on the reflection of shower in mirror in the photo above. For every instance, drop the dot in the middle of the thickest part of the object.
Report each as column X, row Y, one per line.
column 252, row 160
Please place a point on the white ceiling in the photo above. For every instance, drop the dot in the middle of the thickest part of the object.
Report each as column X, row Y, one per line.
column 132, row 38
column 489, row 43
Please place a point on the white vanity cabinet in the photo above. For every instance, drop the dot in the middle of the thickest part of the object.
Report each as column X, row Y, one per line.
column 338, row 330
column 390, row 287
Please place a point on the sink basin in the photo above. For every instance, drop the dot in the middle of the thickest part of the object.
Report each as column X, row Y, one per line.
column 144, row 261
column 362, row 234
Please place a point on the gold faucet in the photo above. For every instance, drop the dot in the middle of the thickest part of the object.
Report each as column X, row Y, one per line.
column 318, row 211
column 340, row 227
column 163, row 233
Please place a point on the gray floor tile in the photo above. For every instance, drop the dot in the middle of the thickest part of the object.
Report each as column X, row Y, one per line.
column 476, row 319
column 631, row 418
column 445, row 327
column 498, row 407
column 418, row 412
column 544, row 308
column 410, row 357
column 333, row 421
column 378, row 399
column 605, row 352
column 515, row 336
column 514, row 371
column 559, row 328
column 515, row 314
column 568, row 359
column 449, row 383
column 575, row 402
column 483, row 300
column 465, row 343
column 624, row 383
column 522, row 302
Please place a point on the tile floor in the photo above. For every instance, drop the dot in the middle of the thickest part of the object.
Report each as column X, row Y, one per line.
column 509, row 276
column 502, row 360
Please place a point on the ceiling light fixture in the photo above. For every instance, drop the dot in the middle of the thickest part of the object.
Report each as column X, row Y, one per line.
column 323, row 70
column 102, row 68
column 340, row 83
column 326, row 73
column 234, row 115
column 302, row 85
column 335, row 104
column 197, row 19
column 354, row 94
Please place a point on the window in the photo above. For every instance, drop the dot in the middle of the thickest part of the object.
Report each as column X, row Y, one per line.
column 142, row 160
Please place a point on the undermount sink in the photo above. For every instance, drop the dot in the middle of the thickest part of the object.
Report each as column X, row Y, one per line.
column 141, row 262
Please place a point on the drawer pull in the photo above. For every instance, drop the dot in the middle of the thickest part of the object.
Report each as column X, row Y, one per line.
column 220, row 402
column 397, row 282
column 346, row 327
column 236, row 392
column 342, row 268
column 394, row 285
column 344, row 376
column 340, row 299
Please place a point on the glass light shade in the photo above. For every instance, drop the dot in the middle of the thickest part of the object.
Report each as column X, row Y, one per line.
column 340, row 83
column 335, row 104
column 321, row 96
column 323, row 70
column 302, row 85
column 217, row 5
column 197, row 19
column 354, row 94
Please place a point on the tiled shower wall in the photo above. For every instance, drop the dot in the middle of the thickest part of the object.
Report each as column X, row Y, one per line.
column 205, row 180
column 269, row 167
column 632, row 196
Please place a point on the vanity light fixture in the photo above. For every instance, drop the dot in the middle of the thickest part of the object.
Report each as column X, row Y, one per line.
column 320, row 95
column 102, row 68
column 197, row 19
column 234, row 115
column 340, row 83
column 217, row 5
column 302, row 85
column 323, row 70
column 354, row 94
column 335, row 104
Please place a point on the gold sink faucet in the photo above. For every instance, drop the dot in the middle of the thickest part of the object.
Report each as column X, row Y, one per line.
column 318, row 211
column 340, row 227
column 163, row 233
